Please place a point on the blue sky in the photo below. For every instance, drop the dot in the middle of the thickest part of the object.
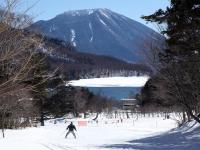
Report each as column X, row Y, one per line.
column 134, row 9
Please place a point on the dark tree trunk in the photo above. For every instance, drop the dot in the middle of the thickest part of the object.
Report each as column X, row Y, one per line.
column 42, row 119
column 76, row 113
column 41, row 112
column 188, row 117
column 96, row 117
column 184, row 117
column 193, row 116
column 3, row 133
column 127, row 115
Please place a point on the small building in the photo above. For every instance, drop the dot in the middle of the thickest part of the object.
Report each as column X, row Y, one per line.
column 129, row 104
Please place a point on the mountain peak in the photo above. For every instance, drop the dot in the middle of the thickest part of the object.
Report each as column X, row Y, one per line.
column 99, row 31
column 84, row 12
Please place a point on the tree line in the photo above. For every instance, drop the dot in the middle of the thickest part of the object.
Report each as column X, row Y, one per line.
column 84, row 65
column 175, row 81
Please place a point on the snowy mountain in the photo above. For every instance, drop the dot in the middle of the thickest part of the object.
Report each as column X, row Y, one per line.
column 99, row 31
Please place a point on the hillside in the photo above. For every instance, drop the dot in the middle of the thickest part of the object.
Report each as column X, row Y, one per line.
column 83, row 65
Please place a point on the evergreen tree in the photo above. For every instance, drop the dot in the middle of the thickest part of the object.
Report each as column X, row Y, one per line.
column 182, row 26
column 39, row 81
column 180, row 72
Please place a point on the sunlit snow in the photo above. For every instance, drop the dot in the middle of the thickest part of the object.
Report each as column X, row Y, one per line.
column 94, row 136
column 90, row 11
column 104, row 14
column 111, row 82
column 73, row 35
column 90, row 26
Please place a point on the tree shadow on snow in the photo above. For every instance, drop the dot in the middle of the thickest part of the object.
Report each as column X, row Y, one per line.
column 168, row 141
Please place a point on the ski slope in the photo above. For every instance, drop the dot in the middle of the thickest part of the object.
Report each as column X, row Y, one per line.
column 144, row 133
column 106, row 135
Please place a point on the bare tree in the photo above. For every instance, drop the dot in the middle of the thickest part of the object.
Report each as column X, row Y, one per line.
column 17, row 51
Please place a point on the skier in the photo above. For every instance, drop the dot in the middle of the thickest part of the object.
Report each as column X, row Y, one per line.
column 71, row 129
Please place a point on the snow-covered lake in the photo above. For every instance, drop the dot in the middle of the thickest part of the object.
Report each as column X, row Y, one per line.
column 114, row 87
column 136, row 81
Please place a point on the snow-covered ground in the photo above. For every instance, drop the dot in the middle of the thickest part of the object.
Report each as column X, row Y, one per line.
column 144, row 133
column 107, row 134
column 111, row 82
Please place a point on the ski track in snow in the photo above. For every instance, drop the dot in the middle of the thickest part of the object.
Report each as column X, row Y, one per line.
column 52, row 28
column 108, row 28
column 73, row 36
column 104, row 14
column 90, row 26
column 102, row 22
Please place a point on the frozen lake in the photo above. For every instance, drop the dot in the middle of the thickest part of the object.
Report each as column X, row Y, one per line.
column 115, row 87
column 115, row 92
